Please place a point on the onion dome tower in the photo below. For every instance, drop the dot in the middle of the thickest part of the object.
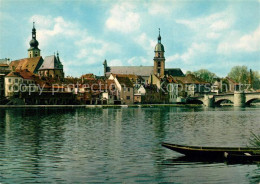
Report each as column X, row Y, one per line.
column 34, row 51
column 159, row 59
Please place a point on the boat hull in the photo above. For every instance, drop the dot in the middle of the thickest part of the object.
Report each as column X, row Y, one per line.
column 214, row 152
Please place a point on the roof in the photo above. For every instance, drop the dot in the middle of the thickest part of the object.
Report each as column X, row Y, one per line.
column 25, row 74
column 159, row 48
column 231, row 80
column 190, row 79
column 130, row 76
column 4, row 65
column 136, row 70
column 88, row 75
column 175, row 72
column 125, row 81
column 30, row 64
column 14, row 64
column 51, row 62
column 14, row 74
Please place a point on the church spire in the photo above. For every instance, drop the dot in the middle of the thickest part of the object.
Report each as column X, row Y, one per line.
column 159, row 37
column 34, row 51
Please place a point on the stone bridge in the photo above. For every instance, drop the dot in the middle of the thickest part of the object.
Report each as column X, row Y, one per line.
column 239, row 99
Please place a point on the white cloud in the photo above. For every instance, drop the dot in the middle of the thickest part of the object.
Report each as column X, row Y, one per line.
column 115, row 62
column 123, row 18
column 196, row 51
column 145, row 42
column 244, row 43
column 220, row 25
column 213, row 26
column 139, row 61
column 161, row 8
column 213, row 35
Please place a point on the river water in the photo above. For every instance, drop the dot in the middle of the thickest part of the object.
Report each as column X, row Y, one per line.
column 122, row 145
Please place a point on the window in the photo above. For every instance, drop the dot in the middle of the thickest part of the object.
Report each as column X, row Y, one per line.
column 159, row 63
column 128, row 89
column 9, row 80
column 128, row 97
column 159, row 71
column 16, row 80
column 159, row 55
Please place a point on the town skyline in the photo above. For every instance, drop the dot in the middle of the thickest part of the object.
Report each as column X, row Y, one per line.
column 215, row 39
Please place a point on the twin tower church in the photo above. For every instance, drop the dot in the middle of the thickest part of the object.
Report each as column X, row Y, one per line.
column 52, row 67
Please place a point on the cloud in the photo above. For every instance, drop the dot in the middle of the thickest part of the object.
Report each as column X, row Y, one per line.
column 145, row 42
column 115, row 62
column 162, row 8
column 123, row 18
column 195, row 52
column 213, row 26
column 244, row 43
column 138, row 61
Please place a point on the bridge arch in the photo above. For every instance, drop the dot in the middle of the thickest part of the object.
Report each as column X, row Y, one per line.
column 219, row 101
column 248, row 102
column 195, row 101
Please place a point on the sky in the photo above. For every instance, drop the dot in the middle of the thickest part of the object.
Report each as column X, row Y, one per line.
column 196, row 34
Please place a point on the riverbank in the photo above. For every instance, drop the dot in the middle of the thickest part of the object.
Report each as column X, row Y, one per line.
column 99, row 106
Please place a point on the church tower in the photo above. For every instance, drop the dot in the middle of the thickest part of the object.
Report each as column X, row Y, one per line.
column 159, row 59
column 34, row 51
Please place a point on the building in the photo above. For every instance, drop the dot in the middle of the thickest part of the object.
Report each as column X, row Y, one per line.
column 4, row 70
column 19, row 81
column 125, row 89
column 51, row 67
column 192, row 86
column 146, row 71
column 34, row 51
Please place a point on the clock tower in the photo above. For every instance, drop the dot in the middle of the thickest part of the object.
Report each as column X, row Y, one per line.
column 159, row 59
column 34, row 51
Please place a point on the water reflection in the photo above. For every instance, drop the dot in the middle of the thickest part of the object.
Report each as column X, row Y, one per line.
column 121, row 144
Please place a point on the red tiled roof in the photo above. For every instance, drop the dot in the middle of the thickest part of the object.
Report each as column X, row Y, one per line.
column 88, row 75
column 190, row 79
column 30, row 64
column 14, row 74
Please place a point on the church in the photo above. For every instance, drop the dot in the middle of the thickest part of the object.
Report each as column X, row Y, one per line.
column 50, row 66
column 158, row 69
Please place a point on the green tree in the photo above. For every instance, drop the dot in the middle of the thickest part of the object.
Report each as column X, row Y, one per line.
column 255, row 80
column 240, row 74
column 204, row 74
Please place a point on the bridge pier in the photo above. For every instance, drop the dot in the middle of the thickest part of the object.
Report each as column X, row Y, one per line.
column 209, row 101
column 239, row 99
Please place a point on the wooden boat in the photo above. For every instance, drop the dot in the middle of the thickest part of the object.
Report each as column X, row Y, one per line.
column 215, row 152
column 242, row 157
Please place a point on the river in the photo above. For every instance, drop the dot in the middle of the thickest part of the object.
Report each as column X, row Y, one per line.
column 122, row 145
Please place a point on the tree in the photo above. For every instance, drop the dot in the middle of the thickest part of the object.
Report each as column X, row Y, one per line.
column 204, row 74
column 255, row 80
column 242, row 75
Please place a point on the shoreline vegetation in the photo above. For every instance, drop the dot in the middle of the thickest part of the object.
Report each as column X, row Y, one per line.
column 110, row 106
